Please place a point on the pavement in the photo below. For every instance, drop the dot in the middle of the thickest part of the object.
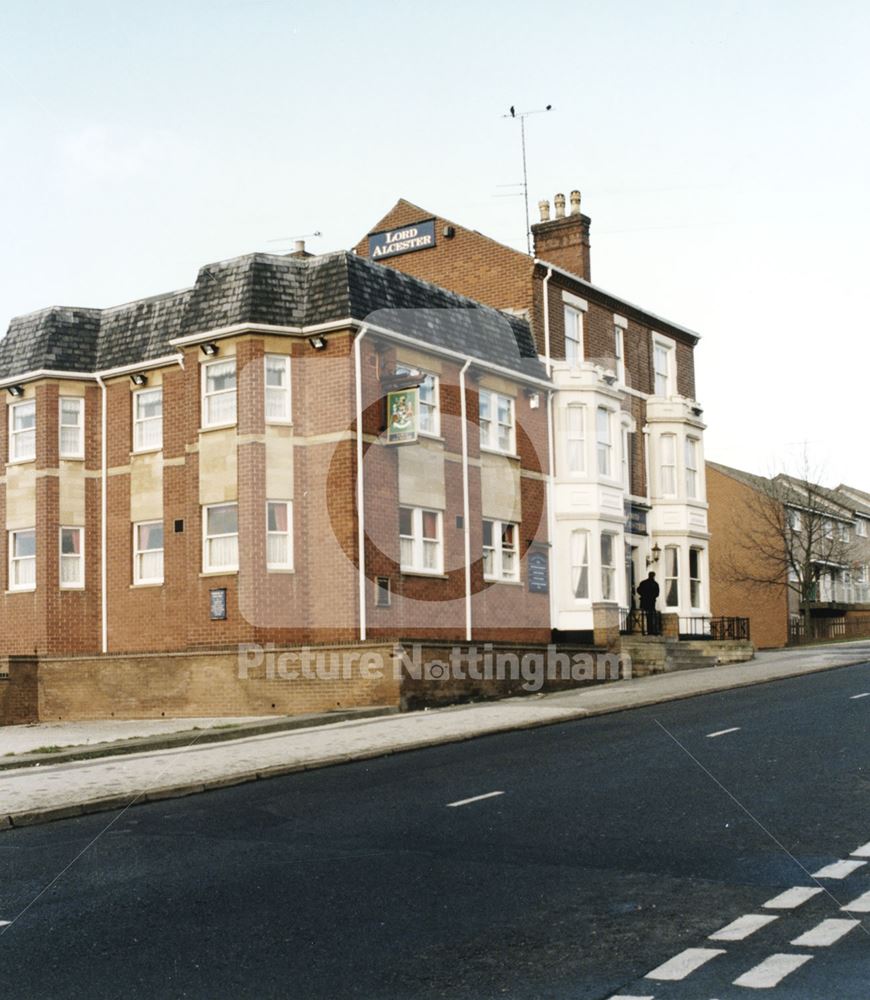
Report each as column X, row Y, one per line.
column 713, row 846
column 52, row 791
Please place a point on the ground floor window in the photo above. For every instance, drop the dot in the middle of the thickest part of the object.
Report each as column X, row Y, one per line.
column 221, row 541
column 580, row 564
column 608, row 567
column 72, row 563
column 420, row 540
column 500, row 560
column 672, row 576
column 22, row 559
column 695, row 577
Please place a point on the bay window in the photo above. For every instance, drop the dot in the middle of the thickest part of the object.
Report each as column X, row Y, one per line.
column 603, row 441
column 695, row 577
column 580, row 564
column 608, row 567
column 672, row 576
column 575, row 438
column 668, row 465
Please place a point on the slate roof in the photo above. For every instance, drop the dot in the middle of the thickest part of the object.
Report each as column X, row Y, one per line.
column 791, row 491
column 274, row 290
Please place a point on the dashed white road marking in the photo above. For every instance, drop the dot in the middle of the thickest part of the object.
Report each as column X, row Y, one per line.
column 826, row 933
column 723, row 732
column 839, row 869
column 791, row 898
column 862, row 852
column 859, row 905
column 5, row 923
column 864, row 694
column 742, row 927
column 476, row 798
column 686, row 962
column 625, row 996
column 771, row 971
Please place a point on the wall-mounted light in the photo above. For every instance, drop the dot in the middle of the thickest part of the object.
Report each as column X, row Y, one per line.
column 15, row 390
column 654, row 556
column 533, row 397
column 697, row 410
column 318, row 343
column 609, row 378
column 209, row 349
column 139, row 378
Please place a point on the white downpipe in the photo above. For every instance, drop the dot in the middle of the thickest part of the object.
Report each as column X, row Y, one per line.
column 547, row 360
column 104, row 533
column 360, row 485
column 551, row 455
column 466, row 504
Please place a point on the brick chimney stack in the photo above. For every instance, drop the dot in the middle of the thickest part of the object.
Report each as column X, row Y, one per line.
column 564, row 240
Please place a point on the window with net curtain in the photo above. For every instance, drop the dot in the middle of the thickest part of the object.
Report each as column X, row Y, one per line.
column 148, row 555
column 580, row 564
column 219, row 393
column 22, row 560
column 72, row 438
column 222, row 538
column 608, row 568
column 148, row 420
column 22, row 431
column 672, row 576
column 575, row 438
column 71, row 561
column 420, row 539
column 277, row 388
column 278, row 535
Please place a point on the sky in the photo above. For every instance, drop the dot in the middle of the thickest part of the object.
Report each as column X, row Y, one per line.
column 722, row 149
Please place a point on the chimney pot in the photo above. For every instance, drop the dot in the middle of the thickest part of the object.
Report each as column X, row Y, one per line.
column 575, row 202
column 559, row 202
column 544, row 209
column 299, row 246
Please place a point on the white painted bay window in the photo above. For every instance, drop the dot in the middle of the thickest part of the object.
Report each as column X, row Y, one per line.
column 219, row 393
column 72, row 559
column 608, row 567
column 279, row 535
column 575, row 438
column 603, row 435
column 420, row 540
column 148, row 419
column 72, row 427
column 500, row 557
column 695, row 577
column 22, row 559
column 668, row 467
column 580, row 564
column 672, row 576
column 22, row 431
column 496, row 422
column 221, row 538
column 277, row 368
column 692, row 468
column 148, row 553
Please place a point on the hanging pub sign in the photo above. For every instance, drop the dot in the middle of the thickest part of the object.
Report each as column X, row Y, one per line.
column 419, row 236
column 402, row 414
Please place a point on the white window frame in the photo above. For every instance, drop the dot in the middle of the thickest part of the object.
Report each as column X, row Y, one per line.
column 626, row 468
column 417, row 565
column 139, row 579
column 573, row 319
column 675, row 577
column 206, row 538
column 619, row 351
column 608, row 569
column 575, row 439
column 861, row 527
column 139, row 447
column 497, row 548
column 287, row 565
column 604, row 445
column 794, row 520
column 207, row 396
column 696, row 582
column 79, row 452
column 79, row 583
column 15, row 436
column 669, row 346
column 285, row 391
column 668, row 465
column 429, row 396
column 579, row 545
column 16, row 561
column 844, row 533
column 489, row 426
column 692, row 450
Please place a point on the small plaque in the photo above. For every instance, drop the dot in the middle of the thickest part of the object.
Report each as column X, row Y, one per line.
column 218, row 604
column 538, row 572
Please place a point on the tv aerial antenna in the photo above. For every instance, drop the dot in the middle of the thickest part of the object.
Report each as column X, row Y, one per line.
column 522, row 116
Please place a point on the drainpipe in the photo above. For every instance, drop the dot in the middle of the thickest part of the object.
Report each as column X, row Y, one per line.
column 547, row 360
column 466, row 506
column 104, row 596
column 360, row 484
column 551, row 456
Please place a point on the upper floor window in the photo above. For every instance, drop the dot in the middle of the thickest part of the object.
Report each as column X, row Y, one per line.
column 608, row 567
column 72, row 427
column 861, row 527
column 22, row 559
column 219, row 393
column 573, row 335
column 277, row 388
column 604, row 443
column 221, row 538
column 844, row 531
column 420, row 540
column 500, row 561
column 580, row 564
column 794, row 520
column 575, row 438
column 496, row 422
column 672, row 576
column 148, row 420
column 663, row 367
column 279, row 534
column 148, row 552
column 692, row 468
column 429, row 409
column 72, row 560
column 626, row 453
column 619, row 352
column 669, row 465
column 22, row 431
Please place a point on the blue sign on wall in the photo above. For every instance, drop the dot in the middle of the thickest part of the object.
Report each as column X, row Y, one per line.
column 538, row 572
column 419, row 236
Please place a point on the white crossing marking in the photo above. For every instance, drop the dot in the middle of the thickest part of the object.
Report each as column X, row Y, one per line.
column 742, row 927
column 826, row 933
column 862, row 852
column 771, row 971
column 840, row 869
column 681, row 965
column 791, row 898
column 5, row 923
column 865, row 694
column 624, row 996
column 723, row 732
column 477, row 798
column 859, row 905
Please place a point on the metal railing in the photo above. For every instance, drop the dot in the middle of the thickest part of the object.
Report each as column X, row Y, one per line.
column 720, row 629
column 821, row 629
column 633, row 621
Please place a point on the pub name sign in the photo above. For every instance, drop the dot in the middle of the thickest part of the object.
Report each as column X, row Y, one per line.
column 420, row 236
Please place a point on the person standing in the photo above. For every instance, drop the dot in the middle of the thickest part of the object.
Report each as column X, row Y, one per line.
column 648, row 590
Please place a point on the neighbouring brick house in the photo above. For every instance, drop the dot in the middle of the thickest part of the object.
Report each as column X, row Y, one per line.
column 628, row 492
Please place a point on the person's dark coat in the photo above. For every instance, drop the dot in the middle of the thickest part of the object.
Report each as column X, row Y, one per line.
column 649, row 592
